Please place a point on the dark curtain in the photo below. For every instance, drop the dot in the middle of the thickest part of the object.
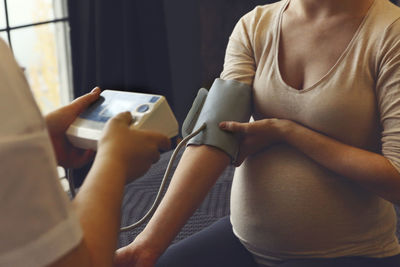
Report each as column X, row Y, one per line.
column 218, row 18
column 167, row 47
column 119, row 44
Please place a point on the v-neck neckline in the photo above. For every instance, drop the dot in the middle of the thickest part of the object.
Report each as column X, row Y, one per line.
column 278, row 30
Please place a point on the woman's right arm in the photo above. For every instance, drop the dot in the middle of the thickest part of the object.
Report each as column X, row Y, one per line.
column 197, row 171
column 199, row 168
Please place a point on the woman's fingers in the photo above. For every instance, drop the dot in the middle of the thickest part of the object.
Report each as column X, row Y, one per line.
column 233, row 126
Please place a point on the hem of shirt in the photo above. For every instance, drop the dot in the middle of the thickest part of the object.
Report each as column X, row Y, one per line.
column 394, row 164
column 373, row 251
column 48, row 248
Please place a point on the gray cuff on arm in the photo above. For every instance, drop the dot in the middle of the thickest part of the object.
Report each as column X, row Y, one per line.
column 226, row 101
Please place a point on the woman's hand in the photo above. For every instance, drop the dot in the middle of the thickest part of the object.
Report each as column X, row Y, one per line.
column 58, row 122
column 255, row 135
column 131, row 149
column 137, row 254
column 133, row 255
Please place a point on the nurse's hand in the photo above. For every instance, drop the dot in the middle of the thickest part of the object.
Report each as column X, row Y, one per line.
column 58, row 122
column 128, row 148
column 256, row 135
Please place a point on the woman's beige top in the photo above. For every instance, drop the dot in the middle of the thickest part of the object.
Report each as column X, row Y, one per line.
column 284, row 204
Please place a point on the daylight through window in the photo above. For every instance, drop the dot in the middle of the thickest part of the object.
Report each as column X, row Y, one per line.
column 37, row 32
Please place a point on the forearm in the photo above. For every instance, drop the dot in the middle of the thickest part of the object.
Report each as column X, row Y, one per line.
column 98, row 205
column 199, row 168
column 371, row 170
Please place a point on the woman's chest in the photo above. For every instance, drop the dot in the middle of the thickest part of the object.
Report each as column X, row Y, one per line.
column 308, row 50
column 343, row 107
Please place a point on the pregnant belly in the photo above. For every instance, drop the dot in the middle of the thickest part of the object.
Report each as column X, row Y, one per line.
column 282, row 201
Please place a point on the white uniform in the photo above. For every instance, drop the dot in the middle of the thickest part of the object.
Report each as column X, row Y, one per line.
column 37, row 225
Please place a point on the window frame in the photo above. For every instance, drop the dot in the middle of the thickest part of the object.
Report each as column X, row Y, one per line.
column 62, row 39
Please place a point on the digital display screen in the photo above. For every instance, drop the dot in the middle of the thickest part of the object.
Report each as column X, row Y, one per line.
column 113, row 102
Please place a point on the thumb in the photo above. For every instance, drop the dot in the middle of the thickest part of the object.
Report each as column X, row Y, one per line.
column 233, row 126
column 124, row 117
column 82, row 102
column 164, row 143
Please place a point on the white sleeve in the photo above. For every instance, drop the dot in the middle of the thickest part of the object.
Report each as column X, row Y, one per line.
column 37, row 224
column 388, row 94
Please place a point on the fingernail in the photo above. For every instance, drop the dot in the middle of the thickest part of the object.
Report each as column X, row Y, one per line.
column 95, row 90
column 222, row 125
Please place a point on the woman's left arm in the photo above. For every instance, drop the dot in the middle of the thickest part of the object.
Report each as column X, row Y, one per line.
column 371, row 170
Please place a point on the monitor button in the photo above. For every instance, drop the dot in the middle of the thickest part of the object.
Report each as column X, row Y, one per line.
column 143, row 108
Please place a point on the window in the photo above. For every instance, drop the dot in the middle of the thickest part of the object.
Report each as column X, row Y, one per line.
column 37, row 32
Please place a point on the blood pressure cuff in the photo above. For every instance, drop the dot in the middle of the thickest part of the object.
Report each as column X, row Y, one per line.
column 225, row 101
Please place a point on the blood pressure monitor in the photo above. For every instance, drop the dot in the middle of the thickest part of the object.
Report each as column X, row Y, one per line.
column 150, row 112
column 227, row 100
